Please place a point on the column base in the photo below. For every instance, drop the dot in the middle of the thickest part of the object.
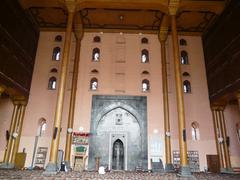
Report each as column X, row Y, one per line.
column 185, row 171
column 226, row 170
column 51, row 168
column 67, row 166
column 7, row 166
column 169, row 168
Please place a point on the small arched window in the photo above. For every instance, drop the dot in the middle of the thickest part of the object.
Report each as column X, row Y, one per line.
column 58, row 38
column 53, row 70
column 144, row 56
column 52, row 83
column 97, row 39
column 94, row 71
column 186, row 86
column 238, row 131
column 183, row 42
column 195, row 131
column 56, row 53
column 42, row 123
column 94, row 84
column 184, row 57
column 145, row 73
column 145, row 85
column 186, row 74
column 144, row 41
column 96, row 54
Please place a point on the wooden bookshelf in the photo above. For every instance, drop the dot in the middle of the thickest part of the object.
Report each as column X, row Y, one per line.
column 193, row 159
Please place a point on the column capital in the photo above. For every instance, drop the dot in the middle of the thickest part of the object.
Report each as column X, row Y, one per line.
column 218, row 107
column 163, row 34
column 2, row 89
column 71, row 5
column 173, row 7
column 78, row 30
column 214, row 107
column 19, row 100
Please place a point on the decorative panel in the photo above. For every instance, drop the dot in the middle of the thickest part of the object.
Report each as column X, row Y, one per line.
column 123, row 119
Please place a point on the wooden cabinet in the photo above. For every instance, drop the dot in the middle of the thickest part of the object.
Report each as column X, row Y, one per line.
column 193, row 160
column 213, row 163
column 20, row 160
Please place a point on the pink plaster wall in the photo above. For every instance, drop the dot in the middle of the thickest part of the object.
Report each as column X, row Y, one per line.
column 197, row 107
column 6, row 109
column 42, row 102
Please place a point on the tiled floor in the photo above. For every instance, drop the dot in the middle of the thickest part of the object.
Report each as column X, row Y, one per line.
column 38, row 175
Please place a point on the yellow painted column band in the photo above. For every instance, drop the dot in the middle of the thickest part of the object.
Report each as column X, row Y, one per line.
column 9, row 146
column 72, row 102
column 179, row 94
column 18, row 130
column 61, row 92
column 217, row 135
column 225, row 146
column 166, row 105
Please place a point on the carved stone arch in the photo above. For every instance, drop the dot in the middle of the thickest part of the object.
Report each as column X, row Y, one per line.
column 112, row 107
column 119, row 117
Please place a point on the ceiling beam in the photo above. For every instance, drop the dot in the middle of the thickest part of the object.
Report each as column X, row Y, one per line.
column 161, row 5
column 41, row 3
column 212, row 6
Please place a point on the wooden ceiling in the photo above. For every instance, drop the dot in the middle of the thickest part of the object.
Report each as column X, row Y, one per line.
column 194, row 16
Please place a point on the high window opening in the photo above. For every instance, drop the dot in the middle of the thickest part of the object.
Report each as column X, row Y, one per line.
column 94, row 84
column 186, row 86
column 96, row 54
column 56, row 54
column 145, row 56
column 145, row 85
column 184, row 57
column 52, row 83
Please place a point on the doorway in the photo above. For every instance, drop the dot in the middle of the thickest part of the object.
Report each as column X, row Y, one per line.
column 118, row 155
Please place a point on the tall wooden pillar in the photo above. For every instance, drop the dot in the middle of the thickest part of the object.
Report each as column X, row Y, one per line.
column 221, row 138
column 78, row 34
column 163, row 34
column 18, row 129
column 12, row 136
column 52, row 165
column 184, row 167
column 217, row 133
column 224, row 136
